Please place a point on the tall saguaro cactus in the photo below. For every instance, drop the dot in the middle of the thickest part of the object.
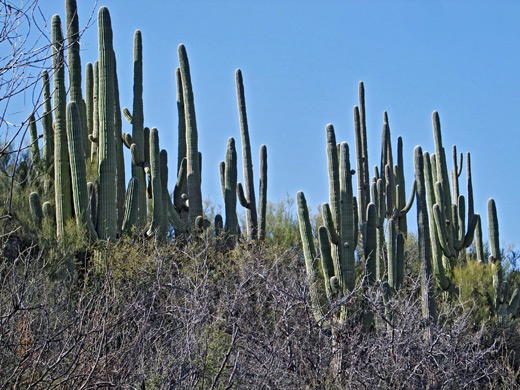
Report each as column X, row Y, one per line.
column 192, row 152
column 249, row 200
column 78, row 169
column 138, row 126
column 107, row 213
column 61, row 156
column 74, row 65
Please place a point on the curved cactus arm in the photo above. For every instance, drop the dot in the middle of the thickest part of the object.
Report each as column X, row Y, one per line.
column 468, row 238
column 456, row 172
column 329, row 224
column 127, row 115
column 262, row 205
column 241, row 196
column 409, row 204
column 441, row 232
column 175, row 220
column 127, row 140
column 309, row 252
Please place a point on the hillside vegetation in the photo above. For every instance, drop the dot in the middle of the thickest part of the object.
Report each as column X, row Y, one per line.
column 113, row 283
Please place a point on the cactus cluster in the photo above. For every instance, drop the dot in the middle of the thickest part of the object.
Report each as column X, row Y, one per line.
column 87, row 132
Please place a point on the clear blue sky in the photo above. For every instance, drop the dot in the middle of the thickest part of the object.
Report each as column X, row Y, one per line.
column 302, row 61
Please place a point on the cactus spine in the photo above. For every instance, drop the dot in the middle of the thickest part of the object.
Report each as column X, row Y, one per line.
column 61, row 155
column 107, row 217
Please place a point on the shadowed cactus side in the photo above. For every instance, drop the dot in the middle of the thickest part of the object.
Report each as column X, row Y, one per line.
column 35, row 206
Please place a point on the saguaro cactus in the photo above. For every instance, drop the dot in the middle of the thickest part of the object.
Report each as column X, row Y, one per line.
column 262, row 204
column 48, row 132
column 78, row 169
column 230, row 191
column 61, row 155
column 247, row 195
column 501, row 288
column 89, row 103
column 423, row 239
column 338, row 239
column 36, row 209
column 33, row 132
column 131, row 206
column 192, row 153
column 107, row 213
column 155, row 169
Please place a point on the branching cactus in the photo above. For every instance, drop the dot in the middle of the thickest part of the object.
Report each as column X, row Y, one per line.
column 107, row 212
column 246, row 194
column 501, row 288
column 338, row 238
column 448, row 233
column 192, row 153
column 61, row 154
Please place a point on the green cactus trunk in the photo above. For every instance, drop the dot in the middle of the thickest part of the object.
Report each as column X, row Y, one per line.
column 74, row 64
column 230, row 192
column 48, row 132
column 131, row 206
column 36, row 209
column 78, row 169
column 165, row 196
column 107, row 212
column 62, row 183
column 138, row 136
column 155, row 169
column 192, row 152
column 94, row 138
column 120, row 160
column 247, row 162
column 33, row 133
column 262, row 204
column 89, row 104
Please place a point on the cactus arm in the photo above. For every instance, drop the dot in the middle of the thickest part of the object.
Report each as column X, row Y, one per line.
column 180, row 186
column 333, row 171
column 479, row 245
column 360, row 166
column 471, row 207
column 369, row 249
column 165, row 196
column 94, row 137
column 411, row 199
column 181, row 141
column 364, row 144
column 127, row 115
column 120, row 160
column 326, row 215
column 222, row 175
column 326, row 260
column 89, row 104
column 241, row 196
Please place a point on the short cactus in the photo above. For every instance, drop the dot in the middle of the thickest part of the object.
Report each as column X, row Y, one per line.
column 36, row 209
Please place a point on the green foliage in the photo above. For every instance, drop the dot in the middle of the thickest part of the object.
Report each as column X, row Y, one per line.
column 283, row 226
